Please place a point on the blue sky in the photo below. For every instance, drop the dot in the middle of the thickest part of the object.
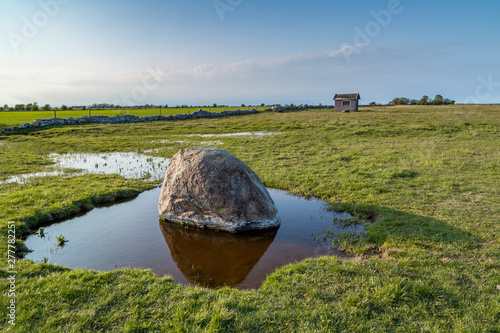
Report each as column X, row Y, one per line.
column 247, row 51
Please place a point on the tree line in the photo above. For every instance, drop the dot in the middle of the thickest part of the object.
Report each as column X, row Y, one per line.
column 31, row 107
column 438, row 100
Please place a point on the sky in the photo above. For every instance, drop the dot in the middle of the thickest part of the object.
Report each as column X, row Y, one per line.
column 200, row 52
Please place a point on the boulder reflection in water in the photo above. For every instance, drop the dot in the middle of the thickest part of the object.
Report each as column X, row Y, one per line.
column 215, row 259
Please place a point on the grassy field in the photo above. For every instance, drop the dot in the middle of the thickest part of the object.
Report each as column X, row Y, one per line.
column 424, row 180
column 12, row 118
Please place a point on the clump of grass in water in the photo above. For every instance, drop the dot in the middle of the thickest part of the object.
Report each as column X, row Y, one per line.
column 41, row 232
column 61, row 240
column 352, row 242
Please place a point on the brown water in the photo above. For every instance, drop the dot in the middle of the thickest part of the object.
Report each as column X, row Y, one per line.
column 129, row 234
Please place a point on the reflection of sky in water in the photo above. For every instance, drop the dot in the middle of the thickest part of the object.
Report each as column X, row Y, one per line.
column 128, row 234
column 128, row 165
column 233, row 134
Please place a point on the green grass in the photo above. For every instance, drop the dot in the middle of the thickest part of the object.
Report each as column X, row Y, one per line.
column 424, row 181
column 12, row 118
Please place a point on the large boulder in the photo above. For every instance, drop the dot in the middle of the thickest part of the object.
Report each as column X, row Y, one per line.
column 210, row 188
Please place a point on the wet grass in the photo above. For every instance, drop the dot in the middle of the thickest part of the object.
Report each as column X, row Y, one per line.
column 424, row 180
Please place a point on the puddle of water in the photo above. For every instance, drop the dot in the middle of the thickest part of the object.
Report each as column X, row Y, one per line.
column 233, row 134
column 171, row 141
column 129, row 234
column 209, row 143
column 128, row 165
column 194, row 143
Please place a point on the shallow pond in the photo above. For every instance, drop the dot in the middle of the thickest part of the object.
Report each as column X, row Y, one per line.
column 129, row 234
column 128, row 165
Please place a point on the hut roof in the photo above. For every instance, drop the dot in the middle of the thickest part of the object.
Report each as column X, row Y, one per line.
column 347, row 96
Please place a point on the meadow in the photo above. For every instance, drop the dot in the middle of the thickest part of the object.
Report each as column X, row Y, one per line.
column 14, row 118
column 424, row 181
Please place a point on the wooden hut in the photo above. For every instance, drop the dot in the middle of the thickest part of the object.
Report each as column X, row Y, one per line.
column 347, row 102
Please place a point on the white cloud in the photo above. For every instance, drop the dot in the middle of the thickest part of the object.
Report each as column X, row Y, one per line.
column 378, row 73
column 63, row 84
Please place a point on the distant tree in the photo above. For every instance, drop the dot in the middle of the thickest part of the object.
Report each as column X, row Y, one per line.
column 424, row 100
column 262, row 104
column 452, row 102
column 214, row 105
column 400, row 101
column 438, row 100
column 413, row 101
column 6, row 106
column 372, row 103
column 19, row 107
column 46, row 107
column 64, row 107
column 34, row 107
column 84, row 107
column 166, row 106
column 243, row 105
column 28, row 107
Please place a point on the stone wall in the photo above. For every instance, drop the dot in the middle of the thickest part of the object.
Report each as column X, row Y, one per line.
column 125, row 119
